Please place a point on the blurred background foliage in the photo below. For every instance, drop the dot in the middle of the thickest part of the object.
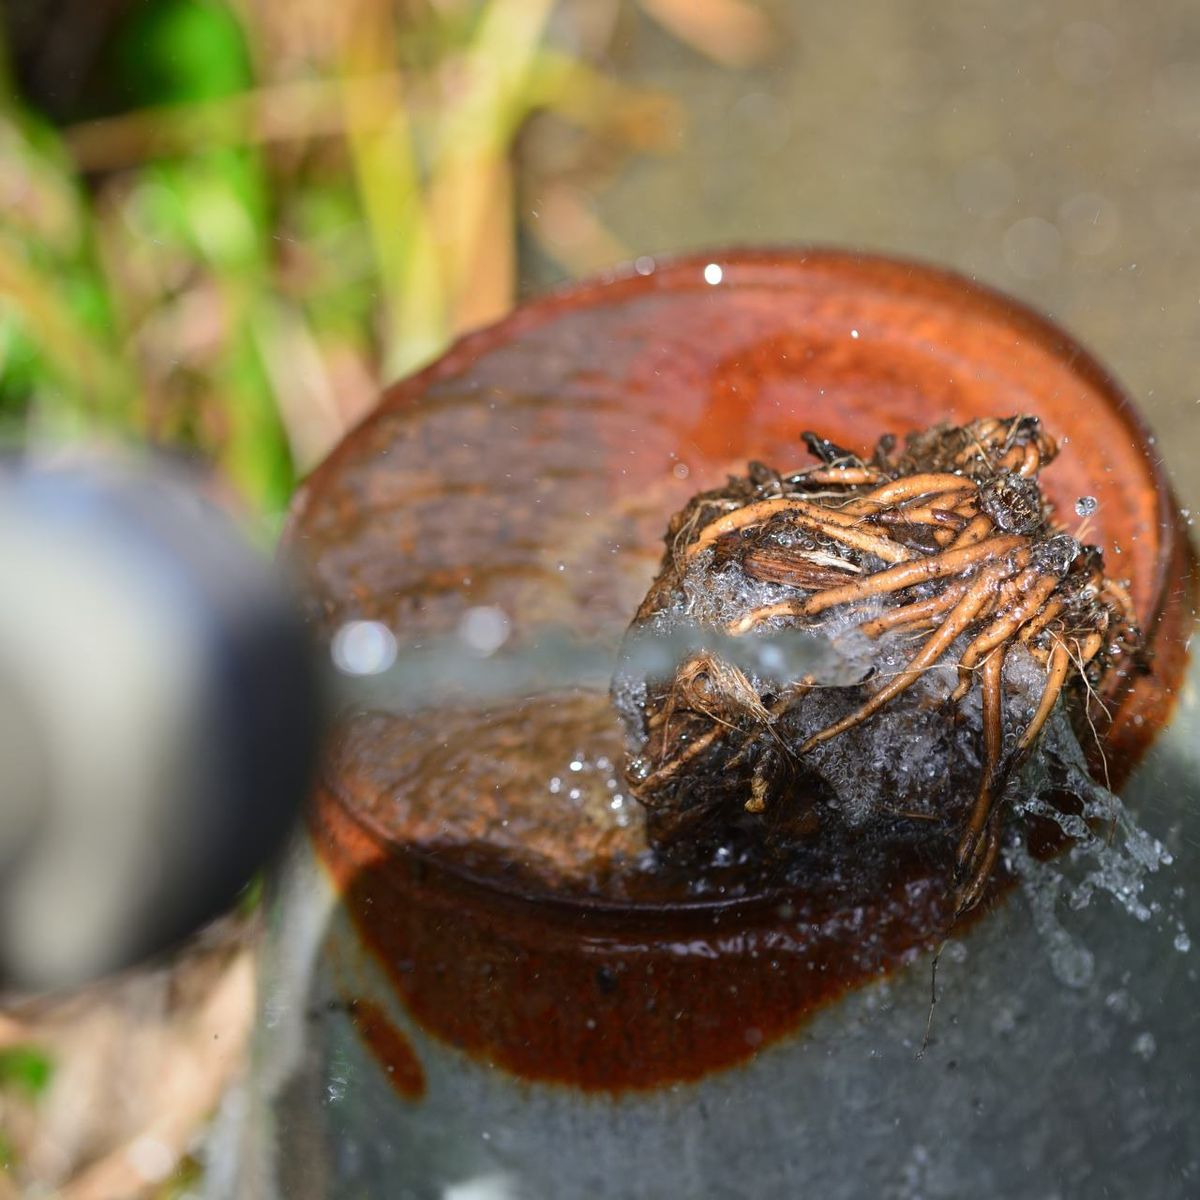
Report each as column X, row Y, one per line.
column 225, row 223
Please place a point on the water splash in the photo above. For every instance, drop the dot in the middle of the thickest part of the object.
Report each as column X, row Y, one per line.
column 1110, row 852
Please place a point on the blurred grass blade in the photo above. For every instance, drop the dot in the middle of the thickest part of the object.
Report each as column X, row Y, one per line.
column 299, row 110
column 471, row 186
column 645, row 120
column 386, row 168
column 72, row 353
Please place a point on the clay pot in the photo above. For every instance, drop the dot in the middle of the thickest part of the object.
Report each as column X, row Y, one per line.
column 511, row 931
column 588, row 416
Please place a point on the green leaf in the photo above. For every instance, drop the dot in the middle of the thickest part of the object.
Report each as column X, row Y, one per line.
column 179, row 50
column 26, row 1069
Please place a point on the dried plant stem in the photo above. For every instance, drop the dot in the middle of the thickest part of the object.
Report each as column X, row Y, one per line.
column 385, row 165
column 471, row 187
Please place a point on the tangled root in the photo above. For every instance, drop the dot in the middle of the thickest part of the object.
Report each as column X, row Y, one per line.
column 938, row 562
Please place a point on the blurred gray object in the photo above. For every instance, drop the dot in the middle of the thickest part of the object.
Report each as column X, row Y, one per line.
column 159, row 714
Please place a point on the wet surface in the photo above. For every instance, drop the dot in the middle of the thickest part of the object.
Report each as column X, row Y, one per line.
column 618, row 998
column 532, row 471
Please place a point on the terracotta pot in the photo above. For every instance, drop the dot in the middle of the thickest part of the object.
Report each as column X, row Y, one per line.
column 493, row 931
column 655, row 384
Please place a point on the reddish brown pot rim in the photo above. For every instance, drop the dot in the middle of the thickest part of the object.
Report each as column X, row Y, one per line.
column 350, row 836
column 778, row 269
column 554, row 986
column 771, row 266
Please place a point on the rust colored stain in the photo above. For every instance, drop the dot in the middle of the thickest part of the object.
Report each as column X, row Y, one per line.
column 392, row 1050
column 533, row 468
column 618, row 999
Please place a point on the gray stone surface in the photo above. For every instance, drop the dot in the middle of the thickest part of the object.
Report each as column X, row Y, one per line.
column 1048, row 149
column 1062, row 1065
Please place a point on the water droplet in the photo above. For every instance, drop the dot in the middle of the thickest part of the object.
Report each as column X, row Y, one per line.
column 576, row 764
column 484, row 629
column 680, row 470
column 1086, row 505
column 713, row 274
column 644, row 265
column 363, row 648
